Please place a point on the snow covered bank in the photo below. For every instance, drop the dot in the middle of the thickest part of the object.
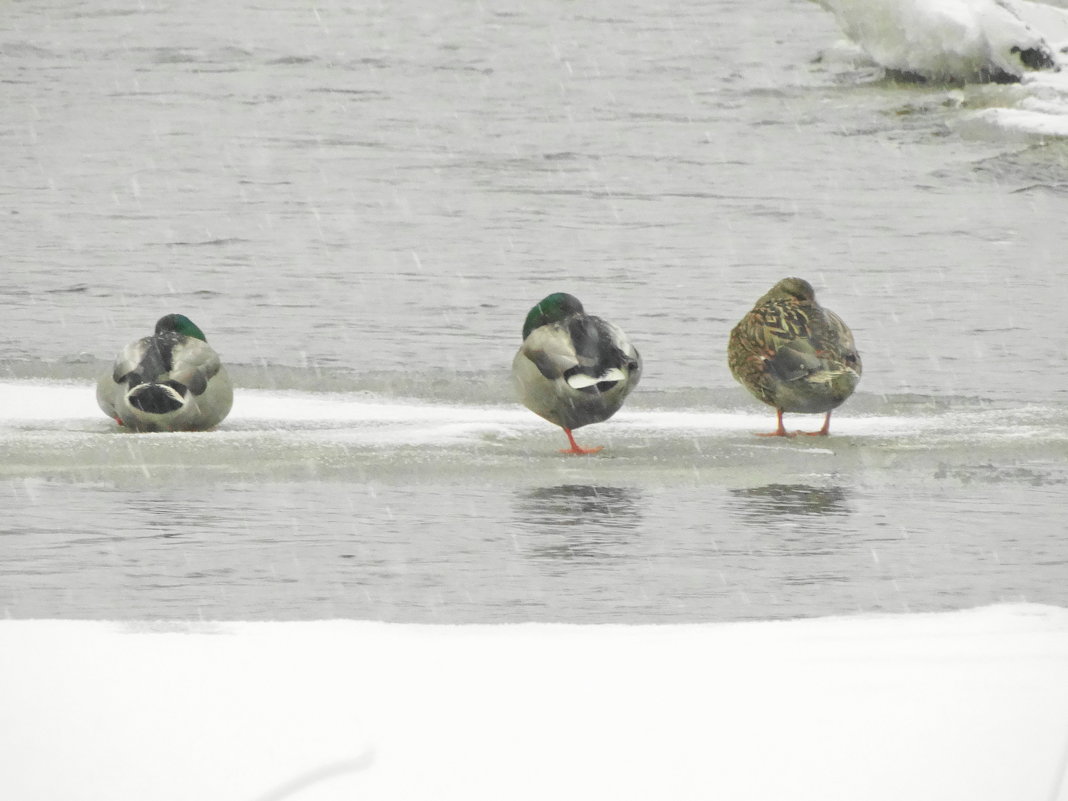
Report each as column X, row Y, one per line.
column 963, row 706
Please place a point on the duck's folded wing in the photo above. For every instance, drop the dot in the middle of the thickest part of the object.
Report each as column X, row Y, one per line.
column 844, row 346
column 601, row 346
column 129, row 360
column 826, row 350
column 773, row 340
column 551, row 351
column 794, row 360
column 194, row 363
column 840, row 332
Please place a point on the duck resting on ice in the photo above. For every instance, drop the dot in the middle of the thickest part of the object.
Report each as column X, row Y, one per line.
column 170, row 381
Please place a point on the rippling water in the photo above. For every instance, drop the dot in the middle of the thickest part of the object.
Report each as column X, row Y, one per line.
column 579, row 552
column 366, row 198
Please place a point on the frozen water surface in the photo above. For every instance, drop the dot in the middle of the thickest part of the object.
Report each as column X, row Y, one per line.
column 309, row 505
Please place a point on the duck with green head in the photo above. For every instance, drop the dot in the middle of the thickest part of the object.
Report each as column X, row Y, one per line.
column 794, row 355
column 573, row 369
column 170, row 381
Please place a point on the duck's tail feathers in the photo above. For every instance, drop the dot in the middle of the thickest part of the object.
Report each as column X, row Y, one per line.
column 155, row 398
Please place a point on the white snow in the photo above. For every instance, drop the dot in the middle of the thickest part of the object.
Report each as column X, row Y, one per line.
column 954, row 41
column 968, row 706
column 950, row 39
column 1040, row 108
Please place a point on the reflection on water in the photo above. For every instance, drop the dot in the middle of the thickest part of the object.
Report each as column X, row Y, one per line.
column 576, row 521
column 774, row 502
column 802, row 540
column 466, row 552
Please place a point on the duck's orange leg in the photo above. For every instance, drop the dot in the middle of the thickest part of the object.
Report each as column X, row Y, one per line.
column 823, row 431
column 781, row 430
column 575, row 446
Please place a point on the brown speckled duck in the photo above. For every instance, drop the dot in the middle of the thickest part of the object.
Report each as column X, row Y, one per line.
column 573, row 369
column 795, row 355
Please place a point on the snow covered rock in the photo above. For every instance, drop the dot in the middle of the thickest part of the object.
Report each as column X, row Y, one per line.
column 955, row 40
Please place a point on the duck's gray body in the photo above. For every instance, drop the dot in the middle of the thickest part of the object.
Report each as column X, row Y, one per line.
column 167, row 382
column 576, row 371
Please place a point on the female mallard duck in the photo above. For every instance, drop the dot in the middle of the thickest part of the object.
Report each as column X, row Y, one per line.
column 795, row 355
column 573, row 369
column 170, row 381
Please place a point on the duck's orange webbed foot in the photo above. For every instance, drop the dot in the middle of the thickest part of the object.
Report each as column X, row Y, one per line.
column 823, row 432
column 781, row 430
column 576, row 448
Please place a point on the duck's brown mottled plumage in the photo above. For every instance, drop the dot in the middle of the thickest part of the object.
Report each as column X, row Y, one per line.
column 793, row 354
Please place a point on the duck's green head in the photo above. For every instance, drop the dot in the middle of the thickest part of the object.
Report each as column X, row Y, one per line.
column 551, row 309
column 179, row 324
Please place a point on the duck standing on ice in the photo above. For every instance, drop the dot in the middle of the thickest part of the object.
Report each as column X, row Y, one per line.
column 995, row 41
column 795, row 355
column 573, row 369
column 170, row 381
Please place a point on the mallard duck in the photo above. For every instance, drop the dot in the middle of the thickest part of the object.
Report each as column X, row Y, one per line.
column 795, row 355
column 170, row 381
column 573, row 369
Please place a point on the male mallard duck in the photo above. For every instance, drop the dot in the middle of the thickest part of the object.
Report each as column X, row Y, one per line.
column 170, row 381
column 794, row 354
column 573, row 369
